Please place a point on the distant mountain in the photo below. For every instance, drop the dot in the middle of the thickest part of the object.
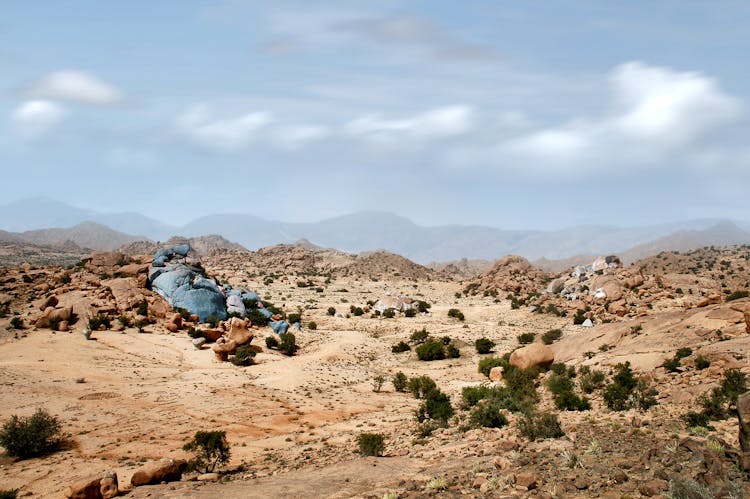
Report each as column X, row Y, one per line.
column 84, row 235
column 371, row 230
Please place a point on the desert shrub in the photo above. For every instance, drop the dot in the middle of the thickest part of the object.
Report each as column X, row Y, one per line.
column 210, row 448
column 734, row 384
column 419, row 336
column 423, row 306
column 410, row 312
column 471, row 395
column 400, row 382
column 288, row 345
column 16, row 322
column 183, row 313
column 436, row 406
column 685, row 488
column 487, row 363
column 456, row 314
column 312, row 325
column 421, row 386
column 124, row 320
column 559, row 368
column 559, row 383
column 579, row 317
column 371, row 444
column 243, row 356
column 625, row 391
column 142, row 309
column 431, row 350
column 569, row 401
column 487, row 414
column 213, row 321
column 399, row 347
column 551, row 336
column 99, row 320
column 31, row 436
column 540, row 426
column 256, row 317
column 671, row 365
column 356, row 311
column 389, row 313
column 526, row 338
column 702, row 362
column 693, row 419
column 295, row 317
column 331, row 311
column 484, row 345
column 272, row 342
column 9, row 494
column 590, row 380
column 452, row 352
column 683, row 352
column 736, row 295
column 377, row 383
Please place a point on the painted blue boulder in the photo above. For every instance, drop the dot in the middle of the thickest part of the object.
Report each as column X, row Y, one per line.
column 279, row 327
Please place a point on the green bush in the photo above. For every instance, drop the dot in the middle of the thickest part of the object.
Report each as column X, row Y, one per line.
column 456, row 314
column 487, row 363
column 487, row 414
column 371, row 444
column 471, row 395
column 399, row 347
column 559, row 383
column 484, row 345
column 671, row 365
column 436, row 406
column 288, row 345
column 683, row 353
column 99, row 320
column 16, row 322
column 452, row 352
column 540, row 426
column 526, row 338
column 9, row 494
column 142, row 309
column 579, row 317
column 693, row 419
column 356, row 311
column 31, row 436
column 590, row 380
column 551, row 336
column 331, row 311
column 400, row 382
column 625, row 391
column 256, row 317
column 431, row 350
column 272, row 342
column 210, row 448
column 312, row 325
column 421, row 386
column 410, row 312
column 569, row 401
column 736, row 295
column 702, row 362
column 423, row 306
column 734, row 384
column 418, row 337
column 243, row 356
column 296, row 317
column 389, row 313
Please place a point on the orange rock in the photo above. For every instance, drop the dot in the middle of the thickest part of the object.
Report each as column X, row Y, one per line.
column 532, row 355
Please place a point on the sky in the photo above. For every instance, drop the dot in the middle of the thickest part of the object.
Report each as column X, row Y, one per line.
column 514, row 114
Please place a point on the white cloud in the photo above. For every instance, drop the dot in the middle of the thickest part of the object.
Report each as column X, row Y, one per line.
column 296, row 136
column 442, row 122
column 224, row 134
column 75, row 86
column 657, row 115
column 36, row 118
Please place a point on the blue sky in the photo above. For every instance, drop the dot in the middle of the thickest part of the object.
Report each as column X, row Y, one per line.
column 512, row 114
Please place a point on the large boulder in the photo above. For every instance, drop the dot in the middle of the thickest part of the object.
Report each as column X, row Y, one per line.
column 235, row 305
column 532, row 355
column 165, row 470
column 52, row 315
column 743, row 414
column 96, row 487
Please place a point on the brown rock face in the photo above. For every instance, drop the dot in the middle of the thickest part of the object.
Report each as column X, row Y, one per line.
column 496, row 374
column 50, row 314
column 532, row 355
column 166, row 470
column 743, row 415
column 510, row 274
column 108, row 485
column 88, row 488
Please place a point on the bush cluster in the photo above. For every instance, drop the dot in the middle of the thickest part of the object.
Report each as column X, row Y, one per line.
column 243, row 356
column 551, row 336
column 540, row 426
column 210, row 448
column 484, row 345
column 626, row 392
column 371, row 444
column 437, row 350
column 31, row 436
column 399, row 347
column 456, row 314
column 717, row 404
column 526, row 338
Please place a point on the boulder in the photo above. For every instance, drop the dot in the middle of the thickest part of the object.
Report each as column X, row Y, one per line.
column 238, row 332
column 279, row 327
column 743, row 415
column 96, row 487
column 182, row 287
column 108, row 485
column 51, row 301
column 235, row 305
column 64, row 314
column 532, row 355
column 165, row 470
column 496, row 374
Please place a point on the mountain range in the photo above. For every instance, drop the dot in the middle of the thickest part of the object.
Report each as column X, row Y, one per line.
column 47, row 221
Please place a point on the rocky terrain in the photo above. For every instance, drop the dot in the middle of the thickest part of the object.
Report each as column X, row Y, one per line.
column 132, row 380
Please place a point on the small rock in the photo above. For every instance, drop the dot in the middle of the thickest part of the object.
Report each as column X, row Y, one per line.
column 653, row 487
column 208, row 477
column 528, row 481
column 198, row 343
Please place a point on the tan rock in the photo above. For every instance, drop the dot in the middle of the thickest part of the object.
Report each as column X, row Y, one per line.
column 496, row 374
column 54, row 315
column 532, row 355
column 87, row 488
column 50, row 301
column 108, row 485
column 176, row 319
column 165, row 470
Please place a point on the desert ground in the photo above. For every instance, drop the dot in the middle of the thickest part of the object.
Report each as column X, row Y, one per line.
column 132, row 395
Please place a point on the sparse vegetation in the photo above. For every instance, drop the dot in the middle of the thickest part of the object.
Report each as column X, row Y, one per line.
column 16, row 322
column 32, row 436
column 484, row 345
column 288, row 345
column 244, row 356
column 456, row 314
column 371, row 444
column 400, row 382
column 551, row 336
column 210, row 448
column 540, row 426
column 526, row 338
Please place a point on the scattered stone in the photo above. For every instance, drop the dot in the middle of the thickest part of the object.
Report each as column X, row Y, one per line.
column 165, row 470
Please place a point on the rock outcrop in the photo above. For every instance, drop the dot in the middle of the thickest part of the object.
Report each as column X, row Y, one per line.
column 165, row 470
column 532, row 355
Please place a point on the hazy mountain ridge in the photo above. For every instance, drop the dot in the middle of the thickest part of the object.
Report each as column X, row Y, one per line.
column 366, row 231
